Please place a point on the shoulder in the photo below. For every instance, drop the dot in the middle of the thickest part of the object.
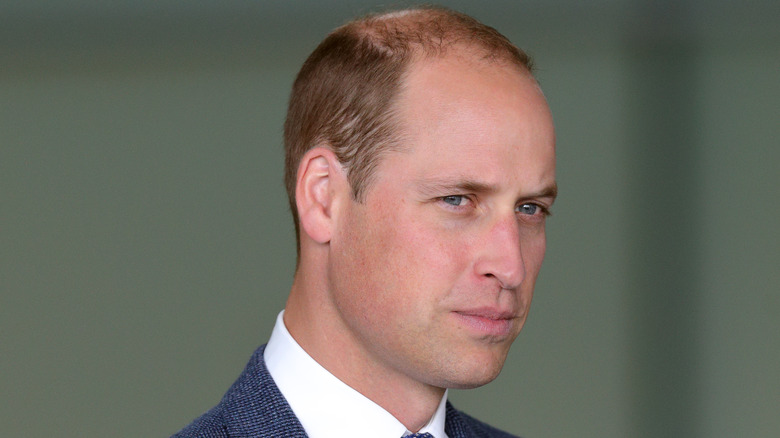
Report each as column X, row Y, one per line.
column 460, row 424
column 253, row 406
column 209, row 425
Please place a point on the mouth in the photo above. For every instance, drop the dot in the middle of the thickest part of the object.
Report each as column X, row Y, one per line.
column 491, row 323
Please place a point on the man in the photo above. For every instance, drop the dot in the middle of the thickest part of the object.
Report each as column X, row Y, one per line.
column 420, row 168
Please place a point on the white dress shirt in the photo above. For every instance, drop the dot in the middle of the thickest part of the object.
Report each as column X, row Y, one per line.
column 326, row 406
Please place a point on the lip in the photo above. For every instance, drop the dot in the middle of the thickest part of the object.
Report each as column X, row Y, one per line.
column 488, row 322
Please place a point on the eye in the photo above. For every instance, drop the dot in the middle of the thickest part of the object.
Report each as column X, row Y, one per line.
column 455, row 200
column 532, row 209
column 529, row 209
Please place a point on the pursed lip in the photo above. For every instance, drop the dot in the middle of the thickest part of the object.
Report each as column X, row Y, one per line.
column 488, row 321
column 488, row 313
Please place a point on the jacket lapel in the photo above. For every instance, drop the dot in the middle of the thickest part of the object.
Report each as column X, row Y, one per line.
column 454, row 425
column 256, row 408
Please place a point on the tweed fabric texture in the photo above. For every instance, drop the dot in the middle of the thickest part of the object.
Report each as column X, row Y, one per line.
column 254, row 407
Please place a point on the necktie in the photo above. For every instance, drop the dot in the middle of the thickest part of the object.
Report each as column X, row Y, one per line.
column 419, row 435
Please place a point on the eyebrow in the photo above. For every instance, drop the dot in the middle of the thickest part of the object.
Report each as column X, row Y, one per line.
column 548, row 192
column 436, row 187
column 433, row 187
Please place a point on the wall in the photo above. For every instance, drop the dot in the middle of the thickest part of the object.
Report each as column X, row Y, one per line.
column 145, row 245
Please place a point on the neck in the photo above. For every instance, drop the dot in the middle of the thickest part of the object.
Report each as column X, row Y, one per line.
column 316, row 326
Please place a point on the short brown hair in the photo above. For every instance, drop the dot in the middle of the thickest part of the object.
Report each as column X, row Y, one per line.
column 343, row 97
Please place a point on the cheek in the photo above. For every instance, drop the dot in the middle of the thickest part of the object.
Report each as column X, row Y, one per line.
column 406, row 257
column 430, row 255
column 533, row 248
column 373, row 264
column 408, row 263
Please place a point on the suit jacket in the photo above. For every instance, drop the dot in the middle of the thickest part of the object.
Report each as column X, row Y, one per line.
column 254, row 407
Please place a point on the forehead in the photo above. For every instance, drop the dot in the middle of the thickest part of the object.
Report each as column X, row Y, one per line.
column 484, row 118
column 464, row 80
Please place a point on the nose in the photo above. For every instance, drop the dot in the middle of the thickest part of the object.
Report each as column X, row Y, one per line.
column 500, row 255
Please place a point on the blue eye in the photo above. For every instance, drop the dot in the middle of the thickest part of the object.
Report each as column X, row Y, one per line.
column 529, row 209
column 455, row 200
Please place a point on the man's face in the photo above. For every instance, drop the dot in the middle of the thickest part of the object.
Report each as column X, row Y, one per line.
column 433, row 274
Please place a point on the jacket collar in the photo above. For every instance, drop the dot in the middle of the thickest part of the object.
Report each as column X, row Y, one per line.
column 254, row 407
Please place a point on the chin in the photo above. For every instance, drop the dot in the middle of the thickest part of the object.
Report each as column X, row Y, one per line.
column 474, row 381
column 469, row 374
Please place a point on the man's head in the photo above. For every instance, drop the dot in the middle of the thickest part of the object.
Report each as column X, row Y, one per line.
column 344, row 97
column 422, row 209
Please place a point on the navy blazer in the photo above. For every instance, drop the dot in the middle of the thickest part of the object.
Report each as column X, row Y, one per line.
column 254, row 407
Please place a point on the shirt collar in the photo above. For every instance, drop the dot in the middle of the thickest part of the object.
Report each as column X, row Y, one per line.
column 326, row 406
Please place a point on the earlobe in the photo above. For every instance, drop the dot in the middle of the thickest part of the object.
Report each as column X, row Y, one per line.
column 315, row 193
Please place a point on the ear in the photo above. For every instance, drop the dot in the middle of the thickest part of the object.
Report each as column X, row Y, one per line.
column 320, row 183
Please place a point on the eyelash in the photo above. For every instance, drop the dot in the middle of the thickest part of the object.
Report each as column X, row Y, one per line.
column 543, row 209
column 461, row 197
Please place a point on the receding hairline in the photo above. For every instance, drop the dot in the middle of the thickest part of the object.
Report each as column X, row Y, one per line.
column 345, row 95
column 431, row 31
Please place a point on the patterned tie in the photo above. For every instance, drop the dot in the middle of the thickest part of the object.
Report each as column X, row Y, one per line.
column 419, row 435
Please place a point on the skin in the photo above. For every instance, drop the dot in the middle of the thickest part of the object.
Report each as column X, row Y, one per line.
column 425, row 284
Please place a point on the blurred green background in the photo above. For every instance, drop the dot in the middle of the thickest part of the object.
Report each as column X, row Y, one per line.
column 146, row 246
